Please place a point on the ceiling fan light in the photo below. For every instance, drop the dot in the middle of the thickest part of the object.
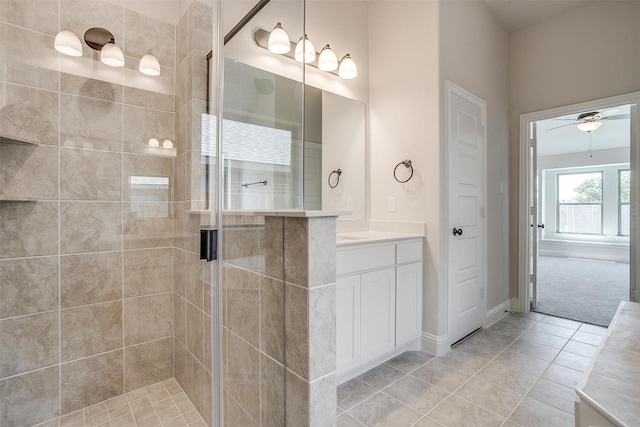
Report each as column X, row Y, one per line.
column 589, row 126
column 305, row 51
column 327, row 61
column 279, row 42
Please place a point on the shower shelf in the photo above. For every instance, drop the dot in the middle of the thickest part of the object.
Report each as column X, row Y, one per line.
column 5, row 139
column 10, row 199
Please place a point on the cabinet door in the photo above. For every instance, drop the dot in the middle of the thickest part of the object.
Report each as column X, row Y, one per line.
column 347, row 323
column 408, row 303
column 377, row 325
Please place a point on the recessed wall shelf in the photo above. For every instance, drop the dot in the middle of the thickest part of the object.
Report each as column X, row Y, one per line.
column 6, row 139
column 13, row 199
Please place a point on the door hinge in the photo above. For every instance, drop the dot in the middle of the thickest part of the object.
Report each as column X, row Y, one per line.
column 532, row 143
column 482, row 292
column 481, row 211
column 481, row 131
column 532, row 278
column 532, row 210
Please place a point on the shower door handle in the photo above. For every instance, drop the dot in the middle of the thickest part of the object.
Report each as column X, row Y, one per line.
column 209, row 244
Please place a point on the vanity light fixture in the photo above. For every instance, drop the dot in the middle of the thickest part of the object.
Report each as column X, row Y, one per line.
column 327, row 61
column 111, row 55
column 348, row 69
column 153, row 142
column 149, row 65
column 305, row 51
column 167, row 143
column 279, row 40
column 68, row 43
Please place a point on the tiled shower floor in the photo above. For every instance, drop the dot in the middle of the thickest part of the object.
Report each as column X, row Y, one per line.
column 163, row 404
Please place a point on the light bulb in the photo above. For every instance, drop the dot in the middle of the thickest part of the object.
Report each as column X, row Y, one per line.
column 305, row 52
column 167, row 143
column 149, row 65
column 589, row 126
column 68, row 43
column 111, row 55
column 153, row 142
column 327, row 61
column 348, row 69
column 279, row 40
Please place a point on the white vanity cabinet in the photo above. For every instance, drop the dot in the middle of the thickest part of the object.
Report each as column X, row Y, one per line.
column 379, row 302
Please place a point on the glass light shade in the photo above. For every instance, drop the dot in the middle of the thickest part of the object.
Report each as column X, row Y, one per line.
column 149, row 65
column 167, row 143
column 111, row 55
column 327, row 61
column 589, row 126
column 279, row 40
column 305, row 52
column 153, row 142
column 348, row 69
column 68, row 43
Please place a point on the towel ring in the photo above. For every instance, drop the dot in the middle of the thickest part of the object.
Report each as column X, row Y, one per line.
column 406, row 164
column 338, row 172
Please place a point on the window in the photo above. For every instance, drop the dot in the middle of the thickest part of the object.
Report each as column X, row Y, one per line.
column 624, row 198
column 580, row 203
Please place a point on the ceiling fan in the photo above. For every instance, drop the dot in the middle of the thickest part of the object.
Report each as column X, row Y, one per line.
column 591, row 121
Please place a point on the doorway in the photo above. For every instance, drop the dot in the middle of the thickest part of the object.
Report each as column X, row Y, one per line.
column 579, row 243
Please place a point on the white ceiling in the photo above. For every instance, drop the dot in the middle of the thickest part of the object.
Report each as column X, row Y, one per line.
column 517, row 14
column 570, row 139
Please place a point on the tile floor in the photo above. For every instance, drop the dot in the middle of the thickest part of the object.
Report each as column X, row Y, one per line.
column 521, row 371
column 162, row 404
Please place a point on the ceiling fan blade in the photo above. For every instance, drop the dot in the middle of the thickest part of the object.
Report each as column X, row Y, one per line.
column 610, row 112
column 558, row 127
column 617, row 117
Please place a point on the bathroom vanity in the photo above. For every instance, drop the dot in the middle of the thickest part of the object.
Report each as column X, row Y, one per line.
column 378, row 297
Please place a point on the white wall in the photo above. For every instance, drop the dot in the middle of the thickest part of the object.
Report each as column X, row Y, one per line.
column 404, row 124
column 588, row 53
column 474, row 55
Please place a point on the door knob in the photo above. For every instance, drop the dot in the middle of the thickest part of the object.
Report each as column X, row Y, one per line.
column 457, row 231
column 540, row 225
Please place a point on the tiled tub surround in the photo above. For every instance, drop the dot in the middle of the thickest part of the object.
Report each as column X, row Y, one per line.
column 522, row 371
column 279, row 320
column 86, row 273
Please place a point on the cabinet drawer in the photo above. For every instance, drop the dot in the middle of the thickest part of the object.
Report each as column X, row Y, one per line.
column 363, row 259
column 409, row 252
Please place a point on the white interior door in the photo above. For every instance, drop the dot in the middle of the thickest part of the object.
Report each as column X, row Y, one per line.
column 534, row 194
column 466, row 211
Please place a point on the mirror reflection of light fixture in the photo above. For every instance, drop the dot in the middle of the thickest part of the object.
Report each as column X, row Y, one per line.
column 279, row 40
column 153, row 142
column 149, row 65
column 167, row 143
column 589, row 126
column 111, row 55
column 327, row 61
column 68, row 43
column 305, row 51
column 348, row 69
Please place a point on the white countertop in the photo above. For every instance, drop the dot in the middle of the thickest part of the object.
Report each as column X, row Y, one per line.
column 611, row 385
column 300, row 213
column 362, row 237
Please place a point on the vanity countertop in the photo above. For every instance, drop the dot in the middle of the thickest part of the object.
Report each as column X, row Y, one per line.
column 361, row 237
column 611, row 385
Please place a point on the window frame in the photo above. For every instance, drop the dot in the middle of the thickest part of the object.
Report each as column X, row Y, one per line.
column 559, row 204
column 621, row 203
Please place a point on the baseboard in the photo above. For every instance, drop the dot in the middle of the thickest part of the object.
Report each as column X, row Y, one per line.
column 437, row 345
column 497, row 313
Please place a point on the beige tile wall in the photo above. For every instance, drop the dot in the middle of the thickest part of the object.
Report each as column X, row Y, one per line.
column 192, row 277
column 86, row 273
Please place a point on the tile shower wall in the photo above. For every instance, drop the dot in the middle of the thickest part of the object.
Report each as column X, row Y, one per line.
column 192, row 286
column 86, row 289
